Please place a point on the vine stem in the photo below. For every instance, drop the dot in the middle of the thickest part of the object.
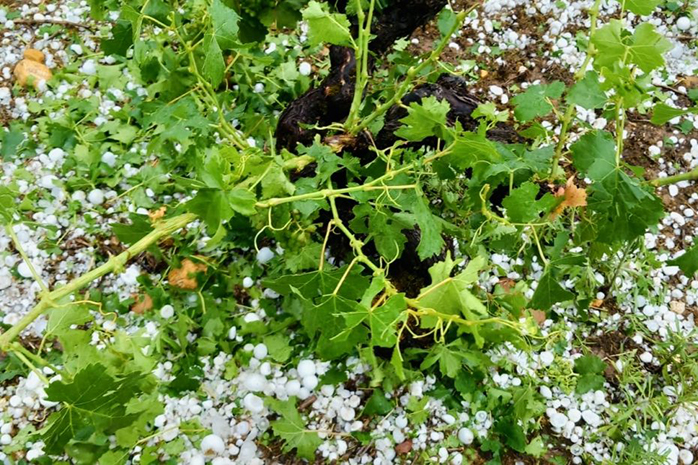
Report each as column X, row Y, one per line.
column 411, row 74
column 361, row 58
column 116, row 262
column 687, row 176
column 570, row 111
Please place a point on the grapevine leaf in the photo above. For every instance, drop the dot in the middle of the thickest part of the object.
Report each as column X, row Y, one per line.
column 8, row 205
column 594, row 155
column 292, row 429
column 318, row 283
column 430, row 242
column 534, row 102
column 211, row 206
column 424, row 119
column 587, row 93
column 648, row 47
column 11, row 142
column 93, row 401
column 522, row 206
column 663, row 113
column 242, row 201
column 214, row 65
column 121, row 41
column 641, row 7
column 645, row 47
column 688, row 262
column 548, row 293
column 225, row 24
column 323, row 26
column 590, row 368
column 381, row 320
column 453, row 297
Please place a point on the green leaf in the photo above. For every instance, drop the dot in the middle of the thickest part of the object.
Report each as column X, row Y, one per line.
column 242, row 201
column 641, row 7
column 645, row 47
column 225, row 24
column 11, row 142
column 536, row 447
column 522, row 206
column 378, row 404
column 121, row 41
column 211, row 206
column 453, row 297
column 291, row 428
column 326, row 27
column 430, row 243
column 594, row 155
column 424, row 119
column 512, row 434
column 214, row 66
column 548, row 293
column 688, row 262
column 587, row 93
column 132, row 233
column 590, row 368
column 60, row 319
column 93, row 401
column 8, row 203
column 447, row 19
column 534, row 102
column 278, row 346
column 381, row 320
column 663, row 113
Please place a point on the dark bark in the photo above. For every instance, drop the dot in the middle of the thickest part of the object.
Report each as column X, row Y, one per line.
column 331, row 101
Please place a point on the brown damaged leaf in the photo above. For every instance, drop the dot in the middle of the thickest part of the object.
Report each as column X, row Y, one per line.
column 573, row 197
column 184, row 277
column 404, row 447
column 142, row 304
column 155, row 215
column 32, row 70
column 538, row 316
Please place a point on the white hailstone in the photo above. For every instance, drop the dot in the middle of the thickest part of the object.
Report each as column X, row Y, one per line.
column 293, row 387
column 33, row 382
column 167, row 312
column 24, row 270
column 260, row 351
column 304, row 68
column 546, row 358
column 89, row 68
column 557, row 419
column 15, row 401
column 646, row 357
column 255, row 382
column 264, row 255
column 466, row 436
column 448, row 419
column 76, row 49
column 212, row 445
column 250, row 317
column 34, row 454
column 5, row 439
column 197, row 460
column 96, row 197
column 242, row 428
column 253, row 403
column 109, row 159
column 574, row 415
column 232, row 333
column 686, row 456
column 271, row 48
column 347, row 413
column 673, row 190
column 247, row 282
column 496, row 90
column 78, row 196
column 683, row 23
column 258, row 88
column 401, row 422
column 265, row 369
column 248, row 451
column 591, row 417
column 306, row 368
column 56, row 155
column 109, row 325
column 310, row 382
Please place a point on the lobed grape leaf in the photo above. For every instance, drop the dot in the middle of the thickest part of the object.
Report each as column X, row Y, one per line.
column 587, row 93
column 323, row 26
column 535, row 101
column 292, row 429
column 424, row 119
column 688, row 262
